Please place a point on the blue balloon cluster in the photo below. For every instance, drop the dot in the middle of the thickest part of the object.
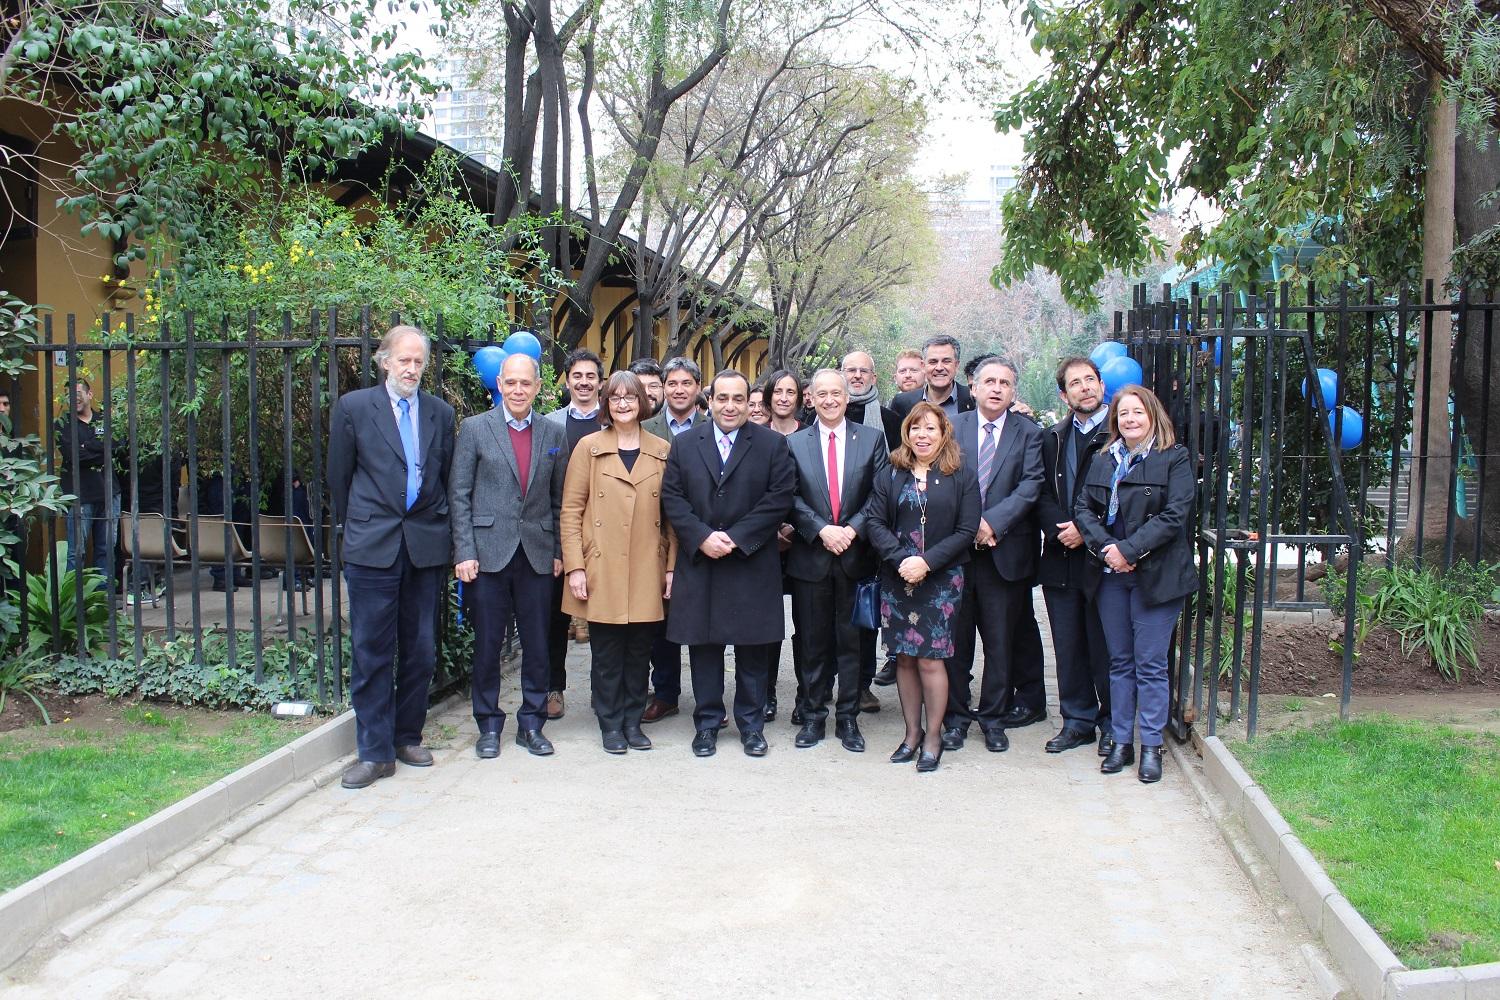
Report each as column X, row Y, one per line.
column 1351, row 430
column 1116, row 367
column 490, row 359
column 1328, row 383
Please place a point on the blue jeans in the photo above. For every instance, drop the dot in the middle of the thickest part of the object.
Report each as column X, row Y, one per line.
column 96, row 523
column 1138, row 636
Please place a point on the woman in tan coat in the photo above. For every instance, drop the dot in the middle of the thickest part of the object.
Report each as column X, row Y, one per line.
column 618, row 552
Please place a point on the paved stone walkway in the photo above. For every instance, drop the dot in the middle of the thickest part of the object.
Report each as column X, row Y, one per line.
column 661, row 875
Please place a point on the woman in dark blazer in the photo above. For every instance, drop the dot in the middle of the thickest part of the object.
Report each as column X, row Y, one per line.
column 922, row 520
column 1133, row 512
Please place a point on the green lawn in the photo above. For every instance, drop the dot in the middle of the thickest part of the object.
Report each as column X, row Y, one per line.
column 1405, row 817
column 63, row 791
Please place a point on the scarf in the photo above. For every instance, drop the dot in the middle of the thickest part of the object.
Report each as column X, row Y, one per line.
column 871, row 400
column 1124, row 462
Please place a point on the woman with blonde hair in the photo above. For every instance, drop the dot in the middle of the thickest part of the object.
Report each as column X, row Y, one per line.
column 618, row 553
column 1133, row 512
column 922, row 520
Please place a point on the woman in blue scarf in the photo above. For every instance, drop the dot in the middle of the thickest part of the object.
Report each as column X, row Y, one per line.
column 1133, row 512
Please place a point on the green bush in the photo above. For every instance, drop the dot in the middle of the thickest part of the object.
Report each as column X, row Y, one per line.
column 40, row 638
column 1432, row 611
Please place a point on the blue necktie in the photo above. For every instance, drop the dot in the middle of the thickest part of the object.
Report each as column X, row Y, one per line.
column 986, row 459
column 409, row 445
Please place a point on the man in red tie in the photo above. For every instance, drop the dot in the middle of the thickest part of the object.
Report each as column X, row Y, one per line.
column 837, row 463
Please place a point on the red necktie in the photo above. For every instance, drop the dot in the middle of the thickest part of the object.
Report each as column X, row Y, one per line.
column 833, row 477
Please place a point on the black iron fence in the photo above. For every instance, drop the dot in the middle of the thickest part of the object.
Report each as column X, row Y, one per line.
column 1330, row 427
column 216, row 517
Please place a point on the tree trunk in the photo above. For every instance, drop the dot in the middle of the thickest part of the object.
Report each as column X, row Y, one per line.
column 1476, row 388
column 1431, row 436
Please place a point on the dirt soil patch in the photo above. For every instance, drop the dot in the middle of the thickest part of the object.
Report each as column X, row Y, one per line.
column 97, row 713
column 1296, row 659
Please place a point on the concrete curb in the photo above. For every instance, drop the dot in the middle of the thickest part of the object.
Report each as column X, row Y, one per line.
column 66, row 899
column 1370, row 966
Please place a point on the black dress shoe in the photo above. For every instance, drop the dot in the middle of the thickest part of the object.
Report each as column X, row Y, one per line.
column 953, row 737
column 1106, row 744
column 886, row 675
column 1121, row 757
column 755, row 743
column 488, row 746
column 367, row 772
column 1017, row 716
column 1069, row 739
column 706, row 743
column 771, row 710
column 534, row 742
column 928, row 762
column 811, row 734
column 907, row 752
column 636, row 739
column 1150, row 771
column 614, row 742
column 797, row 719
column 995, row 740
column 850, row 736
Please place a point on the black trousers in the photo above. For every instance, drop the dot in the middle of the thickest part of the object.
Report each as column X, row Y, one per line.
column 666, row 665
column 773, row 659
column 707, row 665
column 1002, row 613
column 1082, row 658
column 831, row 645
column 392, row 616
column 557, row 640
column 491, row 599
column 621, row 665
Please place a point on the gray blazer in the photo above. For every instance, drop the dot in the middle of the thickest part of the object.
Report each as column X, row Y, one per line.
column 1016, row 480
column 490, row 516
column 658, row 424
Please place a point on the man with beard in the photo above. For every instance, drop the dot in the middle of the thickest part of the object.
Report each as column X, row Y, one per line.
column 1077, row 634
column 728, row 489
column 649, row 372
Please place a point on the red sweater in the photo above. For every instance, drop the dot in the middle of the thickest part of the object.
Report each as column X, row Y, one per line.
column 521, row 442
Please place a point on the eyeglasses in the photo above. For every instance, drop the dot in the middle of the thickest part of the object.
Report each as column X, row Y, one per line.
column 858, row 371
column 623, row 399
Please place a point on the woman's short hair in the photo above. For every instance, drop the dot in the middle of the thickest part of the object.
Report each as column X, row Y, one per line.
column 949, row 457
column 621, row 383
column 1161, row 424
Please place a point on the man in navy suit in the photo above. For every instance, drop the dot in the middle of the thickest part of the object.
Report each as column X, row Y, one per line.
column 1005, row 450
column 727, row 491
column 389, row 448
column 837, row 463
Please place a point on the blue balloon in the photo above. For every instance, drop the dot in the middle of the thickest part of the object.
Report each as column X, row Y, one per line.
column 1353, row 430
column 1217, row 343
column 1106, row 351
column 1328, row 381
column 1119, row 372
column 524, row 342
column 487, row 362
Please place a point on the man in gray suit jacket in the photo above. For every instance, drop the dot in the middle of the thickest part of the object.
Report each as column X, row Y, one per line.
column 837, row 463
column 505, row 492
column 1005, row 449
column 389, row 447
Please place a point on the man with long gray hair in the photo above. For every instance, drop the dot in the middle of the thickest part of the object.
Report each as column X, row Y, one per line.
column 389, row 448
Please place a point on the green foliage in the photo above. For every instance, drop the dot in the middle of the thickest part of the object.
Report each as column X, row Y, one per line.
column 1432, row 611
column 1397, row 812
column 1318, row 120
column 170, row 671
column 186, row 106
column 456, row 653
column 40, row 638
column 22, row 676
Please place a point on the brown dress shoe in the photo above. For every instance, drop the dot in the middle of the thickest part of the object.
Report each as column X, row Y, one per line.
column 367, row 772
column 658, row 710
column 556, row 707
column 416, row 756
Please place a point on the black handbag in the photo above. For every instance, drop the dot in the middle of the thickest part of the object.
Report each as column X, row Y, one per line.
column 866, row 610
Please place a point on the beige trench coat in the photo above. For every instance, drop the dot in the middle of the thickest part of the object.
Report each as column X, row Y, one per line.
column 612, row 528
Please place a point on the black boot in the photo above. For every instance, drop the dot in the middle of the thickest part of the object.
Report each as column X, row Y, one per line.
column 1150, row 764
column 1121, row 757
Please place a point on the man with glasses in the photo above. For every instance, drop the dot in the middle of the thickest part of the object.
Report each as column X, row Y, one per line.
column 910, row 372
column 649, row 372
column 940, row 356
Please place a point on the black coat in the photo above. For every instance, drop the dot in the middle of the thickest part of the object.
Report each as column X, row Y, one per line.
column 952, row 518
column 735, row 599
column 1156, row 505
column 1009, row 504
column 1061, row 566
column 902, row 403
column 367, row 479
column 865, row 459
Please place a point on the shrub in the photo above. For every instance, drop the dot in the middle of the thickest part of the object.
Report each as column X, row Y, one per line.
column 1432, row 611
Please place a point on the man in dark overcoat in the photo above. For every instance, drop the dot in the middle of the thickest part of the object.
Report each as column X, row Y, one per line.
column 728, row 489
